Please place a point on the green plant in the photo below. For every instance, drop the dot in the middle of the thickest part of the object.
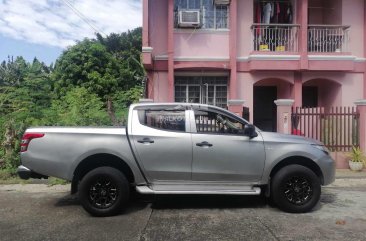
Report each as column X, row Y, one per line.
column 52, row 181
column 357, row 155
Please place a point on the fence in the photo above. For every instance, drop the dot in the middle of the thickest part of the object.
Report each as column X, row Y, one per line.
column 275, row 37
column 337, row 128
column 328, row 38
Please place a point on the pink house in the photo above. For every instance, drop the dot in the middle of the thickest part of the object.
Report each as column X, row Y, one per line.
column 246, row 54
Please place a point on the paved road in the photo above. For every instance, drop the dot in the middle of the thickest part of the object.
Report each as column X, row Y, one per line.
column 38, row 212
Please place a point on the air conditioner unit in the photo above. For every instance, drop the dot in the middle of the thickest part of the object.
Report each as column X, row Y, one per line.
column 189, row 18
column 221, row 2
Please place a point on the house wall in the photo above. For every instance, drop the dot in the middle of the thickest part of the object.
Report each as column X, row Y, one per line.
column 333, row 15
column 353, row 15
column 325, row 12
column 346, row 89
column 158, row 27
column 160, row 86
column 244, row 34
column 196, row 46
column 200, row 43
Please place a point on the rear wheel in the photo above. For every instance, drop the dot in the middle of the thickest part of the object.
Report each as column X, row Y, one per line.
column 295, row 189
column 104, row 191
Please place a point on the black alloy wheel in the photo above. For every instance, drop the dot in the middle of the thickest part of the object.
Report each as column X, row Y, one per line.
column 104, row 191
column 295, row 189
column 298, row 190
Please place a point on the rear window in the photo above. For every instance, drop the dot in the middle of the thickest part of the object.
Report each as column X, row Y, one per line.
column 171, row 120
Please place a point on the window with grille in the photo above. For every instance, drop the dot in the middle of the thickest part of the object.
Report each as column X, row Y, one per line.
column 217, row 123
column 212, row 16
column 210, row 90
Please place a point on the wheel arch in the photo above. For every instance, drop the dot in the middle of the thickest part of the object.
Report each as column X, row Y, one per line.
column 299, row 160
column 99, row 160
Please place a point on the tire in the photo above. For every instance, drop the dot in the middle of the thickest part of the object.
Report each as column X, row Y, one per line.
column 104, row 191
column 295, row 189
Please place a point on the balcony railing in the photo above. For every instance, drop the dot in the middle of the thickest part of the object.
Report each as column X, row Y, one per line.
column 328, row 38
column 275, row 37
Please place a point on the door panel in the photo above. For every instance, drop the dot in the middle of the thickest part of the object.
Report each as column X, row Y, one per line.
column 162, row 146
column 229, row 158
column 221, row 152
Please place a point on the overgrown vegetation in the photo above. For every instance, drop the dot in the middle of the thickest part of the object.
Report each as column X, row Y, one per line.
column 92, row 83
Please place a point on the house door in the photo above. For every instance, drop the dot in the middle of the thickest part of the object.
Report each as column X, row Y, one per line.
column 264, row 108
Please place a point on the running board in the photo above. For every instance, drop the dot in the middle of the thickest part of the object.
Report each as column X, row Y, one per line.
column 147, row 190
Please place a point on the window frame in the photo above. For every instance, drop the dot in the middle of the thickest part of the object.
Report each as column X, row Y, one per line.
column 187, row 125
column 216, row 18
column 202, row 98
column 216, row 111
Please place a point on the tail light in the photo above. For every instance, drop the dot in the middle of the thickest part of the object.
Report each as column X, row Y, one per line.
column 27, row 137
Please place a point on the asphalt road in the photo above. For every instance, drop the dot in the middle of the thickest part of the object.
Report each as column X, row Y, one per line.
column 38, row 212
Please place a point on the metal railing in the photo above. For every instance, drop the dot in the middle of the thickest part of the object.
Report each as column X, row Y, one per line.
column 337, row 128
column 328, row 38
column 275, row 37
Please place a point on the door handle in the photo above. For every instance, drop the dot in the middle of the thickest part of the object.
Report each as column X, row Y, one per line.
column 145, row 140
column 203, row 144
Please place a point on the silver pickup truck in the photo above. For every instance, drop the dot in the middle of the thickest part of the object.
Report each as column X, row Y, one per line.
column 177, row 148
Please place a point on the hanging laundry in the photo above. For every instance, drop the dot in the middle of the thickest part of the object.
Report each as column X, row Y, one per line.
column 289, row 13
column 267, row 13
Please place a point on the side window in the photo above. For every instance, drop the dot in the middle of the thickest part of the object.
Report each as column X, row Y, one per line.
column 162, row 119
column 212, row 122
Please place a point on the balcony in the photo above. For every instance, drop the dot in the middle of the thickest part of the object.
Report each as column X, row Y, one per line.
column 328, row 38
column 275, row 37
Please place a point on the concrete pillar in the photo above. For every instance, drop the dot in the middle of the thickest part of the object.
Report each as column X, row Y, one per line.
column 361, row 108
column 303, row 35
column 236, row 106
column 284, row 124
column 233, row 49
column 297, row 89
column 171, row 50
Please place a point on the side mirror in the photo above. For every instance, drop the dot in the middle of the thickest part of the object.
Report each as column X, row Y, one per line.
column 249, row 130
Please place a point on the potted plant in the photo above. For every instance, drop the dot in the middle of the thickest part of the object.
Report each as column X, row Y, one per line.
column 357, row 158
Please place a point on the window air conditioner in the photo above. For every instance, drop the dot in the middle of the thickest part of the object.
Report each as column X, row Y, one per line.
column 221, row 2
column 189, row 18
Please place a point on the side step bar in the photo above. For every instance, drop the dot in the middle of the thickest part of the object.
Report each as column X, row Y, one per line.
column 147, row 190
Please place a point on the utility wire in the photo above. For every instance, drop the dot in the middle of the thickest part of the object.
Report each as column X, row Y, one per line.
column 82, row 17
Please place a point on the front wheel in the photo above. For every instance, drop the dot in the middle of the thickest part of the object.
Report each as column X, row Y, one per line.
column 295, row 189
column 104, row 191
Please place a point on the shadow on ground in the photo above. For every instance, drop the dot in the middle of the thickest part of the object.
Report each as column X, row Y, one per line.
column 161, row 202
column 202, row 201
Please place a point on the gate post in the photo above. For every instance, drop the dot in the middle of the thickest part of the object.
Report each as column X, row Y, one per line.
column 284, row 124
column 236, row 106
column 361, row 109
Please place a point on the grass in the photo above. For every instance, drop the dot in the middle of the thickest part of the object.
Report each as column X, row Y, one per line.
column 10, row 177
column 56, row 181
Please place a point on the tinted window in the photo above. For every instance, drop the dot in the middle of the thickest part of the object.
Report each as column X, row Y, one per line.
column 162, row 119
column 212, row 122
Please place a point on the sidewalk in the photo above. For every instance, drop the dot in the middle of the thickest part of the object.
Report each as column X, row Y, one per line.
column 347, row 173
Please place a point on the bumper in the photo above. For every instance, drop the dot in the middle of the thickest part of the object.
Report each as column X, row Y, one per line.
column 26, row 173
column 327, row 165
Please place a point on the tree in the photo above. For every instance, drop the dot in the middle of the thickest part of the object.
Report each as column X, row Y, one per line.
column 103, row 66
column 79, row 107
column 24, row 94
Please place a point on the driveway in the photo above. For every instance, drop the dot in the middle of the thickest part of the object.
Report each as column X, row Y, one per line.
column 38, row 212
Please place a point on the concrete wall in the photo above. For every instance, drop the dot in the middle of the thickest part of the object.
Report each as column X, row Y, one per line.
column 353, row 15
column 160, row 86
column 201, row 43
column 158, row 27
